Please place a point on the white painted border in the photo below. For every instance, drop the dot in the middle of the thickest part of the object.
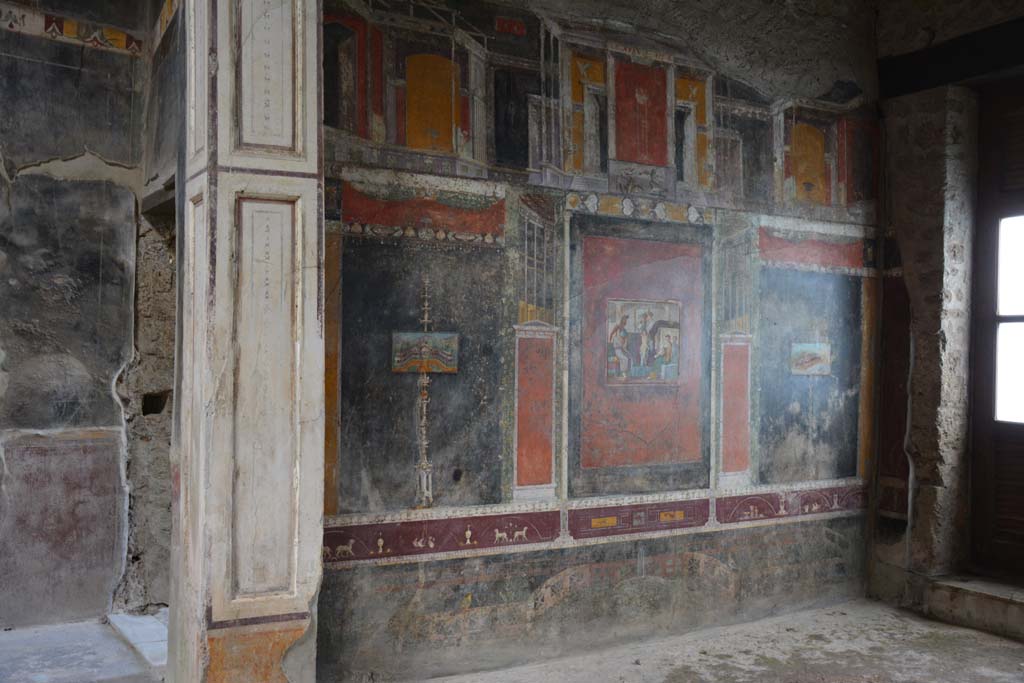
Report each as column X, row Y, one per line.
column 807, row 225
column 357, row 519
column 304, row 158
column 307, row 509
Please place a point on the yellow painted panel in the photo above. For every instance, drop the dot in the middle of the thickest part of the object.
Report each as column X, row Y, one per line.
column 603, row 522
column 677, row 212
column 432, row 84
column 529, row 312
column 116, row 38
column 585, row 70
column 609, row 205
column 576, row 153
column 694, row 90
column 672, row 516
column 809, row 167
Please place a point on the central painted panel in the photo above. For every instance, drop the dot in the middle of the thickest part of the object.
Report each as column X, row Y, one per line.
column 639, row 369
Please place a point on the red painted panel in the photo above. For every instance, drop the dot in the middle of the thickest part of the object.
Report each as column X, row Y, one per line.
column 391, row 539
column 771, row 505
column 635, row 519
column 641, row 424
column 641, row 124
column 534, row 411
column 358, row 25
column 422, row 212
column 400, row 115
column 515, row 27
column 843, row 132
column 736, row 407
column 377, row 67
column 848, row 253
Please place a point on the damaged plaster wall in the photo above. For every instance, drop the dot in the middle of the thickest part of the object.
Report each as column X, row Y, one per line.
column 792, row 49
column 910, row 25
column 146, row 385
column 145, row 389
column 71, row 150
column 931, row 167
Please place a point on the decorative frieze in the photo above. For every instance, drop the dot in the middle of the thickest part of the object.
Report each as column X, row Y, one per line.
column 21, row 19
column 521, row 529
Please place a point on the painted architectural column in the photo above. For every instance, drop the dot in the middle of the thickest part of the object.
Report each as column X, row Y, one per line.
column 248, row 453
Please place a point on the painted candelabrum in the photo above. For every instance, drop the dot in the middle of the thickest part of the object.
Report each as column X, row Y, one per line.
column 425, row 352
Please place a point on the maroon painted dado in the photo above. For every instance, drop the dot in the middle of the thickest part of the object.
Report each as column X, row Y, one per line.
column 752, row 507
column 467, row 533
column 376, row 541
column 634, row 519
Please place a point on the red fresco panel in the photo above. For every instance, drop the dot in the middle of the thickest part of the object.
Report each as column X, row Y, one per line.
column 377, row 65
column 736, row 407
column 422, row 212
column 641, row 126
column 534, row 411
column 846, row 254
column 645, row 423
column 844, row 141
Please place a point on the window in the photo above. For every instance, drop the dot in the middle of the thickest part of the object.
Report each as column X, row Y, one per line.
column 595, row 131
column 537, row 266
column 1010, row 321
column 997, row 340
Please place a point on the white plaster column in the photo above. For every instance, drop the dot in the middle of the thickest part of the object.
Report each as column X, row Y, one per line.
column 248, row 449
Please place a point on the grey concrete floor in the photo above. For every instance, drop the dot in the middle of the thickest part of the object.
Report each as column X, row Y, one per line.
column 855, row 642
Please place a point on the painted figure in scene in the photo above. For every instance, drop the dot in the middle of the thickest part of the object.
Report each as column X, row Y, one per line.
column 618, row 339
column 643, row 346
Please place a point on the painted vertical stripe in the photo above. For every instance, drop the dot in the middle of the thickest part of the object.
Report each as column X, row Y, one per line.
column 332, row 349
column 866, row 418
column 736, row 407
column 400, row 116
column 534, row 411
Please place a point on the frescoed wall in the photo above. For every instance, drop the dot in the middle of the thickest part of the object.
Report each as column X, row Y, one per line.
column 658, row 288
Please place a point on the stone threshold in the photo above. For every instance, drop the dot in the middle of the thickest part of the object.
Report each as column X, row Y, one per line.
column 146, row 634
column 80, row 652
column 979, row 603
